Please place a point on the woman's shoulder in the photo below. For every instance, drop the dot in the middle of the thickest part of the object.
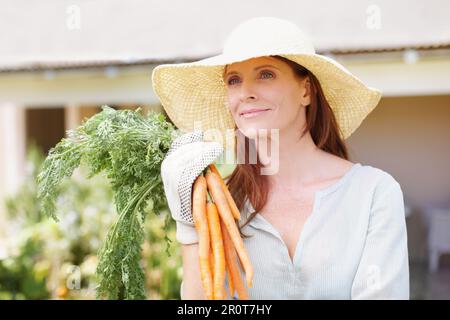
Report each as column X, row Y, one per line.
column 375, row 178
column 365, row 173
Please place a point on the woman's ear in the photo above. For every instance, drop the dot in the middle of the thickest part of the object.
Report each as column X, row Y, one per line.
column 305, row 99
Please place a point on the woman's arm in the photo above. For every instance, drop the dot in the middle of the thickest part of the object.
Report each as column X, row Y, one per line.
column 383, row 272
column 188, row 156
column 191, row 287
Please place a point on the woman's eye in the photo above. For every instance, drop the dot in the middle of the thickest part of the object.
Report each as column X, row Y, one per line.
column 231, row 81
column 266, row 74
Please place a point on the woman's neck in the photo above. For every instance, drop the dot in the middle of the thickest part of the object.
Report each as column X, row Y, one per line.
column 289, row 161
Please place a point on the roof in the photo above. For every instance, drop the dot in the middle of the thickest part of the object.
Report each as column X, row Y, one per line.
column 61, row 34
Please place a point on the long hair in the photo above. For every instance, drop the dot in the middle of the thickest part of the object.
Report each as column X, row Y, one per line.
column 246, row 182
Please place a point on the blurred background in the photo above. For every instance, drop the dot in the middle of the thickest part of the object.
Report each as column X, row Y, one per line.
column 61, row 60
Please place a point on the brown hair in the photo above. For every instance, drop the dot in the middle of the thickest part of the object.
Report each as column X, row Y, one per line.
column 245, row 182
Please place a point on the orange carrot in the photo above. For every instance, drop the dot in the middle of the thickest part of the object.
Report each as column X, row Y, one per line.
column 211, row 260
column 201, row 224
column 231, row 259
column 231, row 203
column 216, row 191
column 217, row 249
column 230, row 279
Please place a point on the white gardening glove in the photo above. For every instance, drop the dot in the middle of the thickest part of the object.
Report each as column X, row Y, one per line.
column 188, row 156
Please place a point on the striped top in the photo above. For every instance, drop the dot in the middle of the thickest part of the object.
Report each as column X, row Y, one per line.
column 352, row 246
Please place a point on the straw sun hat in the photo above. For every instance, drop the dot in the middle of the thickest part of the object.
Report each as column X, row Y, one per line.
column 195, row 93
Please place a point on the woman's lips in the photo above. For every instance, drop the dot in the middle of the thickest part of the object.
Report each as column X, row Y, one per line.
column 253, row 113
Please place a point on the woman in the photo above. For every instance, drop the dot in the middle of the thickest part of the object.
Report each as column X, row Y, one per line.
column 318, row 226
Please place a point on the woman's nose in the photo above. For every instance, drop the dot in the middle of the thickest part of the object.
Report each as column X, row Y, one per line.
column 247, row 91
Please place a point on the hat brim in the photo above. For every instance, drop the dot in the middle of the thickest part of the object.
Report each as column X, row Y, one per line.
column 194, row 93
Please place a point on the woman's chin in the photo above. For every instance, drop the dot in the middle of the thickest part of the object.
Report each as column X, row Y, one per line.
column 252, row 132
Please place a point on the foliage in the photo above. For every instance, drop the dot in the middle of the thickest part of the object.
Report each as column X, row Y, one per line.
column 45, row 259
column 129, row 148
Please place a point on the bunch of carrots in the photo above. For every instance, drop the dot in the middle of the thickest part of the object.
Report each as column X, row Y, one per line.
column 220, row 243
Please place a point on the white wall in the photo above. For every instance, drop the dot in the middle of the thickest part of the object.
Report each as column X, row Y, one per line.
column 78, row 87
column 12, row 151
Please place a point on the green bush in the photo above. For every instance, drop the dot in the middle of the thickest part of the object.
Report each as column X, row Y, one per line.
column 53, row 260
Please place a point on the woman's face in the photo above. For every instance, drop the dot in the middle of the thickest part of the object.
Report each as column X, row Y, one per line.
column 264, row 93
